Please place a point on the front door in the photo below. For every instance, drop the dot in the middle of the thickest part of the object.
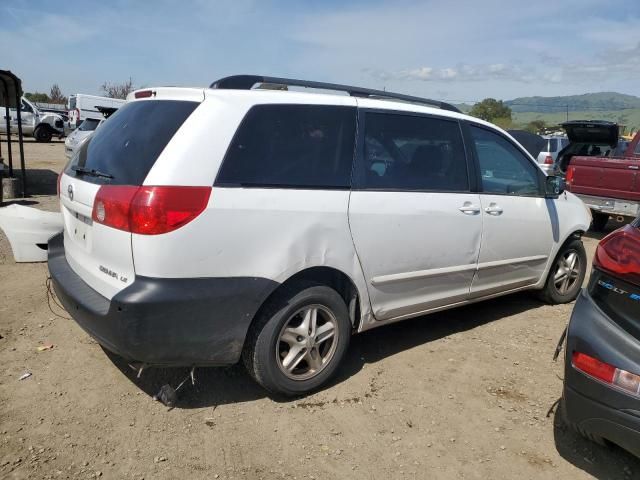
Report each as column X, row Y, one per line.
column 415, row 224
column 518, row 221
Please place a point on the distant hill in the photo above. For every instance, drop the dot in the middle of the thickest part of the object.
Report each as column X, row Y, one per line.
column 629, row 118
column 464, row 107
column 602, row 101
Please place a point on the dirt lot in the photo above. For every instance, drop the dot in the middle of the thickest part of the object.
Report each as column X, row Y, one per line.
column 459, row 394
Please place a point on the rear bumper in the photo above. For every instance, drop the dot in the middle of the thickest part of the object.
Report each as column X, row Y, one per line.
column 163, row 321
column 611, row 206
column 591, row 405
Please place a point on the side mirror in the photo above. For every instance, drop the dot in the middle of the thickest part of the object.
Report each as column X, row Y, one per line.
column 554, row 186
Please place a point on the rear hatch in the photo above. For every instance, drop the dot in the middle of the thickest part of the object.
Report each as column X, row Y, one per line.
column 588, row 138
column 120, row 153
column 615, row 281
column 594, row 132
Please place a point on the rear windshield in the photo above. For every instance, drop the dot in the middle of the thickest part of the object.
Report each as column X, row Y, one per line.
column 89, row 125
column 126, row 147
column 553, row 145
column 72, row 103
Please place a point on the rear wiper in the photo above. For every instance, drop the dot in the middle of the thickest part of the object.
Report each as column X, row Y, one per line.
column 90, row 172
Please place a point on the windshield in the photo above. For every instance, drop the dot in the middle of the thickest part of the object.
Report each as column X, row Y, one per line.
column 89, row 125
column 72, row 103
column 127, row 146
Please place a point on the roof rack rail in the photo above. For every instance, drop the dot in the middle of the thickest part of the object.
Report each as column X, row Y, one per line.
column 247, row 82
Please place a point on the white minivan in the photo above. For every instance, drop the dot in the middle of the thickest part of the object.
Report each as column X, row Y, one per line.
column 203, row 226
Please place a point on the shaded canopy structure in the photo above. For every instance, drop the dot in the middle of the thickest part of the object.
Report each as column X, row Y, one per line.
column 10, row 95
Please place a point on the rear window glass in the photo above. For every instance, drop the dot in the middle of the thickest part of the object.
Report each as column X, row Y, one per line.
column 294, row 146
column 553, row 145
column 72, row 103
column 126, row 147
column 89, row 125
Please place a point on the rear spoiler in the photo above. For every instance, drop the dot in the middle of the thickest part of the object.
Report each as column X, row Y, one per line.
column 106, row 111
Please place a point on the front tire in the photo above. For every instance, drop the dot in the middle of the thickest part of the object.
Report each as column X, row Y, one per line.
column 566, row 274
column 298, row 340
column 43, row 134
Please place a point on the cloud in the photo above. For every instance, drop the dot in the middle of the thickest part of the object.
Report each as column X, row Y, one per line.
column 460, row 73
column 420, row 47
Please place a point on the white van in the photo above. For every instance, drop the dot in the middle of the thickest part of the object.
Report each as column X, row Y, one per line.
column 83, row 106
column 203, row 226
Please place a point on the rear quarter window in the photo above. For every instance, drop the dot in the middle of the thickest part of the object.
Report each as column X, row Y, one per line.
column 292, row 146
column 88, row 125
column 127, row 146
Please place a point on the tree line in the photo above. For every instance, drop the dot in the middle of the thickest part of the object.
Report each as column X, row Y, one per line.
column 497, row 112
column 55, row 95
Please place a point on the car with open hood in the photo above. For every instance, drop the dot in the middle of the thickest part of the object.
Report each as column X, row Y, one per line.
column 603, row 170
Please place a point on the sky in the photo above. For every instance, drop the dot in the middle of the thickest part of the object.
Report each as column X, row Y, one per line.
column 456, row 50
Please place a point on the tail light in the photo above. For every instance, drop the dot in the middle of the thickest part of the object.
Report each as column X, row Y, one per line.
column 548, row 160
column 627, row 381
column 148, row 210
column 569, row 176
column 619, row 254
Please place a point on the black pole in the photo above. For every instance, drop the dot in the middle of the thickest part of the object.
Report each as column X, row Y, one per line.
column 21, row 144
column 8, row 119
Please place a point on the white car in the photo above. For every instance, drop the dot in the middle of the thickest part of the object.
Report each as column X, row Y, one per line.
column 203, row 226
column 549, row 155
column 79, row 135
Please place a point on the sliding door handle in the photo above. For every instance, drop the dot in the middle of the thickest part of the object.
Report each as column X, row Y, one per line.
column 469, row 209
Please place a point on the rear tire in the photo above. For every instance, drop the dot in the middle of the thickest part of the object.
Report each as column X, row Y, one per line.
column 43, row 134
column 599, row 221
column 566, row 274
column 298, row 340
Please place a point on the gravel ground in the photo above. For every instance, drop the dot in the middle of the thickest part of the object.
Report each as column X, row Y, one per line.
column 458, row 394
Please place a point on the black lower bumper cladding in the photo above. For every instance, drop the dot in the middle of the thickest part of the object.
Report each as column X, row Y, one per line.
column 163, row 321
column 593, row 406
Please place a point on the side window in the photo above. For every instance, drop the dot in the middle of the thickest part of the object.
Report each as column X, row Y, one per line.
column 504, row 168
column 407, row 152
column 292, row 146
column 636, row 151
column 26, row 108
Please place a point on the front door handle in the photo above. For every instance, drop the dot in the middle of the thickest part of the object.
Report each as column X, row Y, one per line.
column 493, row 209
column 469, row 208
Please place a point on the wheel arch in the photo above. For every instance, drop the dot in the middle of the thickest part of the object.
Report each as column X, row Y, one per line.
column 330, row 277
column 575, row 233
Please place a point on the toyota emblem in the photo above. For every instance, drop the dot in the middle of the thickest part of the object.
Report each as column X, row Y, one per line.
column 70, row 192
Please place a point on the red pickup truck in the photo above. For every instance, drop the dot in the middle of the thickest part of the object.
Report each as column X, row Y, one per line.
column 602, row 170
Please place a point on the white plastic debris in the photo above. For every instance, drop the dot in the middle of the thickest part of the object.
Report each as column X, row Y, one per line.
column 29, row 230
column 25, row 375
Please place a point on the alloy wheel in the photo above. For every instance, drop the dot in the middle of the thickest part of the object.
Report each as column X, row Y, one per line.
column 307, row 342
column 567, row 272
